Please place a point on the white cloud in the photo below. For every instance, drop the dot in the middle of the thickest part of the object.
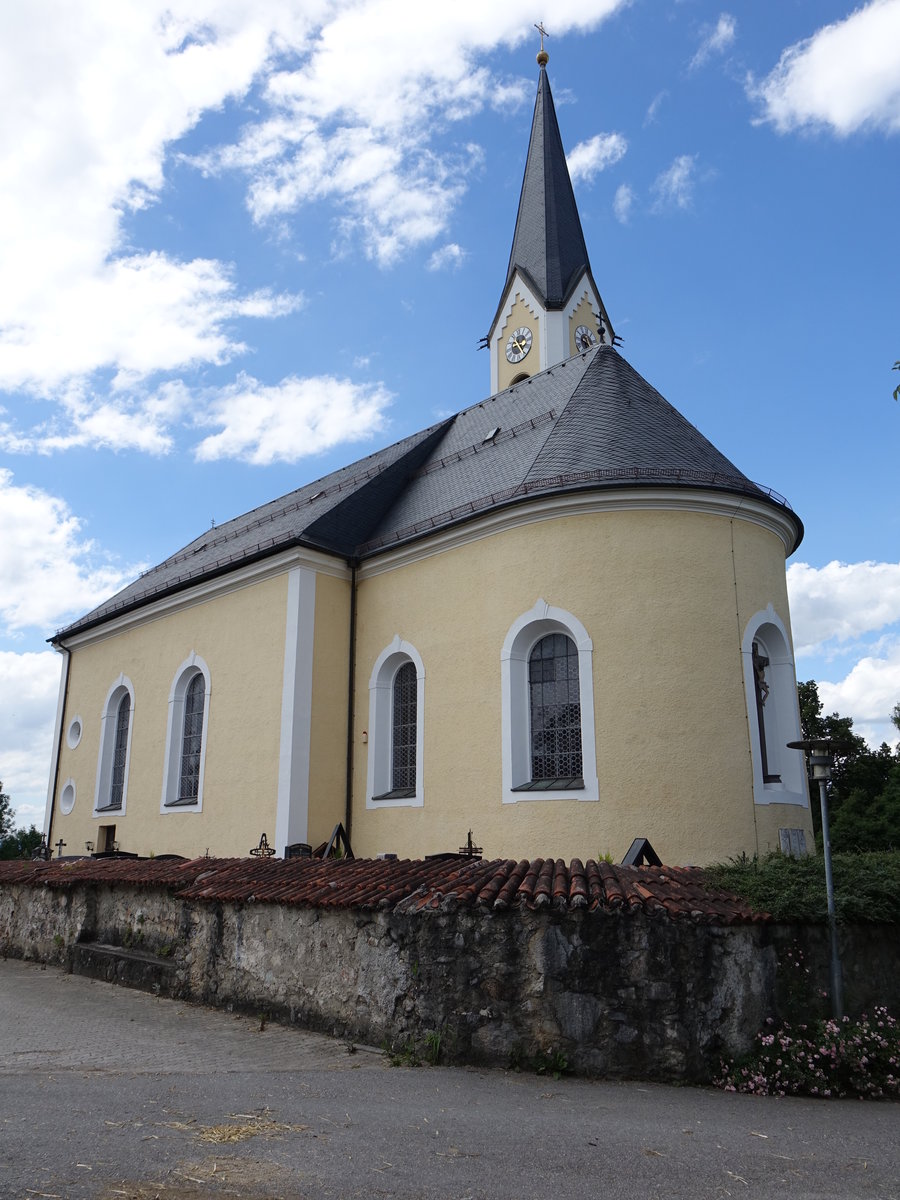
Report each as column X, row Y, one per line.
column 100, row 93
column 868, row 694
column 654, row 106
column 103, row 93
column 358, row 126
column 674, row 187
column 623, row 202
column 596, row 154
column 845, row 77
column 841, row 602
column 291, row 420
column 48, row 570
column 851, row 609
column 716, row 40
column 29, row 684
column 449, row 256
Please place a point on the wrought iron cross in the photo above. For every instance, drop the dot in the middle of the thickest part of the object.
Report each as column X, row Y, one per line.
column 263, row 850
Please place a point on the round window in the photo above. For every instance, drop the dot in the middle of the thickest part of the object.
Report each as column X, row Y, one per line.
column 67, row 797
column 73, row 736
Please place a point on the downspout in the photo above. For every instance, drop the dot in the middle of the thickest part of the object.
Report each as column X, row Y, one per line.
column 57, row 742
column 351, row 686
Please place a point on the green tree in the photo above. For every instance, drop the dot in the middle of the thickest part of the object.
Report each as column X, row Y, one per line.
column 6, row 814
column 15, row 843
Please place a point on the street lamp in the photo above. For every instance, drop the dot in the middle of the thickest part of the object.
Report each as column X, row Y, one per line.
column 819, row 752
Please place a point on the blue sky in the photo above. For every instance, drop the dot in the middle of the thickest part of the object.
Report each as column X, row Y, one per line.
column 248, row 241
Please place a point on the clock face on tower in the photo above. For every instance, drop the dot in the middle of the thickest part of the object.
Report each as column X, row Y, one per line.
column 518, row 344
column 584, row 338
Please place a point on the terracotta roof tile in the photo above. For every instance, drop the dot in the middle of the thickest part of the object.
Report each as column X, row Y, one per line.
column 407, row 885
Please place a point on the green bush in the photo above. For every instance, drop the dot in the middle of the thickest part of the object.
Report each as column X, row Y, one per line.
column 866, row 886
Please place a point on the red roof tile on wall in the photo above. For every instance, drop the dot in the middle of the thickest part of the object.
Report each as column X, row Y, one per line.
column 407, row 885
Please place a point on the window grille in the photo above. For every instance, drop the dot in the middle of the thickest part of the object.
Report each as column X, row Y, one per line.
column 555, row 709
column 403, row 741
column 191, row 742
column 120, row 751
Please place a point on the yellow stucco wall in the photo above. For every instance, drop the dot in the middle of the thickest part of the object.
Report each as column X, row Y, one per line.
column 240, row 635
column 664, row 596
column 328, row 733
column 520, row 315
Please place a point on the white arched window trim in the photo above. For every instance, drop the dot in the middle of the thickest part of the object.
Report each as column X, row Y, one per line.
column 782, row 713
column 378, row 766
column 108, row 720
column 523, row 636
column 192, row 665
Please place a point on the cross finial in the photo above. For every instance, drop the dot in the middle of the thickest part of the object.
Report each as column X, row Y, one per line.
column 543, row 57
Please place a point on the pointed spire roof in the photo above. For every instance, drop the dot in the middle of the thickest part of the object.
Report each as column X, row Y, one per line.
column 548, row 245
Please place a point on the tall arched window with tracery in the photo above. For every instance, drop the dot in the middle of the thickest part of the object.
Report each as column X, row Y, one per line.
column 186, row 737
column 394, row 770
column 115, row 747
column 555, row 703
column 403, row 722
column 192, row 741
column 120, row 752
column 549, row 747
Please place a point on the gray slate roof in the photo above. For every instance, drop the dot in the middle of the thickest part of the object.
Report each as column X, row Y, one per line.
column 588, row 423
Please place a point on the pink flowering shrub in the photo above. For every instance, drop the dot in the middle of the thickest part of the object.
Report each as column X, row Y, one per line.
column 858, row 1057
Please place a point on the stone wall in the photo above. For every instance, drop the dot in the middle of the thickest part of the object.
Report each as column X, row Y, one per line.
column 611, row 993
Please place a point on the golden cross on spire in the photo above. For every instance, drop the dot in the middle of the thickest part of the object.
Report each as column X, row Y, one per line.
column 543, row 57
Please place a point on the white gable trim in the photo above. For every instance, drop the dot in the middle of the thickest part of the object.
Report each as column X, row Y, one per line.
column 208, row 589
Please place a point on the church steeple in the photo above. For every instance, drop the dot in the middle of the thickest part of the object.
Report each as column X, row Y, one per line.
column 549, row 295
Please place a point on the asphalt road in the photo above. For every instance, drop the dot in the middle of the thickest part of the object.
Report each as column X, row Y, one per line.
column 107, row 1093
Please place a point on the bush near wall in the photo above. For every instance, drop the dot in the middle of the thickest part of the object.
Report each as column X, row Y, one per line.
column 866, row 886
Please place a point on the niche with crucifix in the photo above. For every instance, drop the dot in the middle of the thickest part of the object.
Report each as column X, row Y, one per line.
column 772, row 711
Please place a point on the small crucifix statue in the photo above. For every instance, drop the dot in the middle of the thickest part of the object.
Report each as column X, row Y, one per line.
column 59, row 848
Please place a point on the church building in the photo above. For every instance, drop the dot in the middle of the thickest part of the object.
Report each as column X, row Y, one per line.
column 558, row 619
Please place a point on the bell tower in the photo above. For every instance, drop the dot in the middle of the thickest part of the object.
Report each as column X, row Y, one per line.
column 550, row 307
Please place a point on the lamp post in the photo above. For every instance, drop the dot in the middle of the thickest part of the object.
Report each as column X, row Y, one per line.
column 819, row 752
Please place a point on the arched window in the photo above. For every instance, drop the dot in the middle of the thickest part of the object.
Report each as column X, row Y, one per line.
column 186, row 738
column 555, row 704
column 403, row 728
column 773, row 712
column 120, row 752
column 394, row 774
column 192, row 741
column 549, row 747
column 115, row 747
